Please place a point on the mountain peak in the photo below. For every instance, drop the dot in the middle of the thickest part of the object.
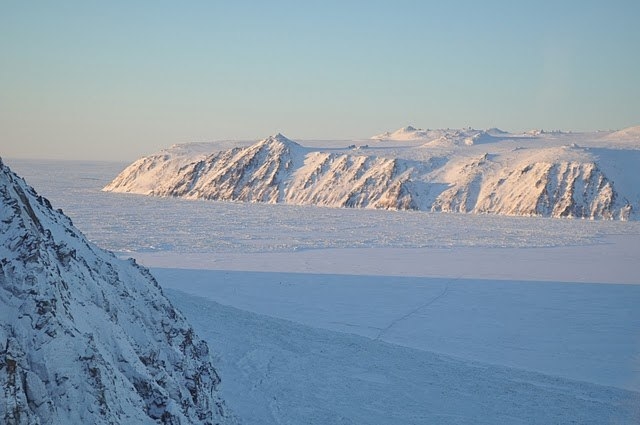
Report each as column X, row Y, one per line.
column 281, row 139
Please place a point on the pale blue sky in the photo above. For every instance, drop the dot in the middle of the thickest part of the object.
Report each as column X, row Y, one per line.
column 118, row 79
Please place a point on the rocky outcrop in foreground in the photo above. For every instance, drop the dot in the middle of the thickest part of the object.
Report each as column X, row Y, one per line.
column 86, row 338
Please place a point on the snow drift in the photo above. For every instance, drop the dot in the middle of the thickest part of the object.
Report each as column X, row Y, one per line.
column 88, row 338
column 472, row 171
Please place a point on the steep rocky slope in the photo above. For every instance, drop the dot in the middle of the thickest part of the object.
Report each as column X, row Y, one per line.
column 86, row 337
column 274, row 170
column 473, row 171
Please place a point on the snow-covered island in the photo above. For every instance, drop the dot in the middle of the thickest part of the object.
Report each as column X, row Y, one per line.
column 535, row 173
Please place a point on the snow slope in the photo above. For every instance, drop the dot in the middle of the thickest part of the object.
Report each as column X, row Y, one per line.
column 579, row 331
column 630, row 133
column 471, row 171
column 316, row 377
column 88, row 338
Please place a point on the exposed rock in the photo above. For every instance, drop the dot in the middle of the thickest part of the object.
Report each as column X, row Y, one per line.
column 86, row 337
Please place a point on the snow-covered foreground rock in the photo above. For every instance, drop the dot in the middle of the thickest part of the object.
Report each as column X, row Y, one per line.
column 85, row 337
column 532, row 174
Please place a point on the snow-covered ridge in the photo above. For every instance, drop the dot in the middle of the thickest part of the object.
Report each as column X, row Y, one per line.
column 586, row 175
column 466, row 136
column 404, row 133
column 630, row 133
column 88, row 338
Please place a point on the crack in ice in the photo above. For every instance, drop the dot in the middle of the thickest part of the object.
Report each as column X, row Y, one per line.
column 417, row 309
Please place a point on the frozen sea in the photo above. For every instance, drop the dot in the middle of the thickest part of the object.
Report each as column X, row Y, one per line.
column 319, row 315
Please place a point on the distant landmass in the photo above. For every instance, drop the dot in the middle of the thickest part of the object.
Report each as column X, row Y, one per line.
column 535, row 173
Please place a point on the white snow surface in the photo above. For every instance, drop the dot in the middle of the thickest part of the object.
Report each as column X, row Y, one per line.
column 473, row 171
column 316, row 376
column 321, row 315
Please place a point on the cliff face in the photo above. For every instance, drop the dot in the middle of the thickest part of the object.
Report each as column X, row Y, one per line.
column 86, row 337
column 553, row 182
column 275, row 170
column 562, row 189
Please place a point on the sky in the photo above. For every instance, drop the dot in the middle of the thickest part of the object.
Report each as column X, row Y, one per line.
column 114, row 80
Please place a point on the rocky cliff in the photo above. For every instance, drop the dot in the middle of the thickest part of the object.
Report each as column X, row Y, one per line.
column 86, row 337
